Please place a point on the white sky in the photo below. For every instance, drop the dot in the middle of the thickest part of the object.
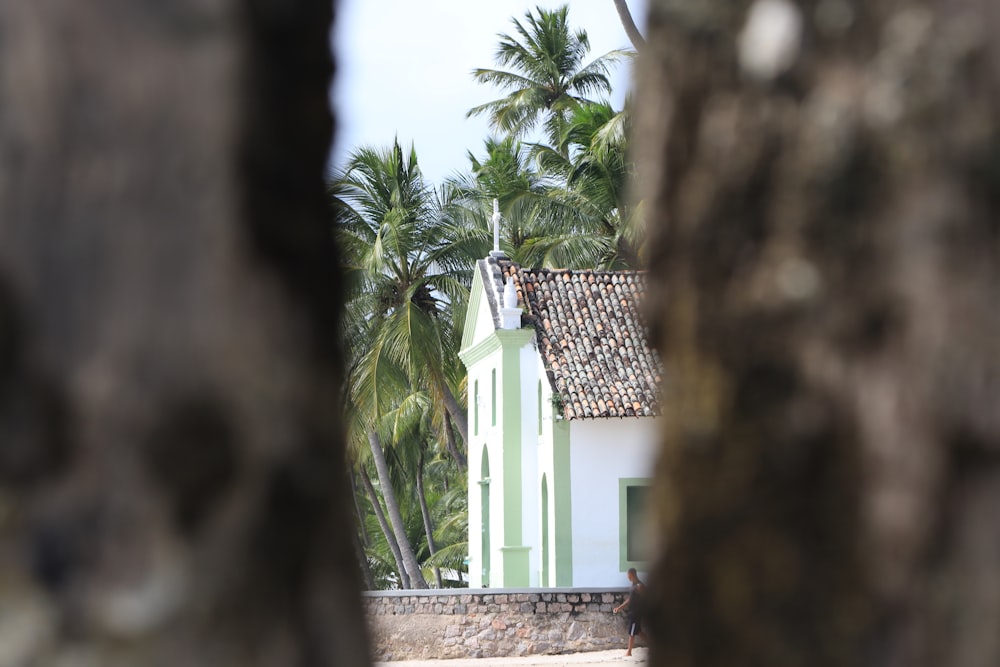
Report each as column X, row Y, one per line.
column 404, row 69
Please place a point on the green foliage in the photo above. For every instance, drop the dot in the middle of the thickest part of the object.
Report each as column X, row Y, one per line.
column 409, row 251
column 447, row 499
column 545, row 73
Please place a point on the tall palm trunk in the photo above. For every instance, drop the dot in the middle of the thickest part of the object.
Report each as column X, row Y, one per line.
column 362, row 529
column 426, row 514
column 456, row 412
column 361, row 539
column 390, row 537
column 366, row 571
column 395, row 516
column 453, row 449
column 631, row 30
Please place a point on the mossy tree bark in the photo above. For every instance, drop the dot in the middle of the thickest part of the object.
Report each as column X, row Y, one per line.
column 822, row 185
column 172, row 484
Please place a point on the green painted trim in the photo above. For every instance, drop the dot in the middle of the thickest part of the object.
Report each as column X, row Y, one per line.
column 515, row 337
column 510, row 427
column 543, row 578
column 500, row 338
column 562, row 499
column 507, row 528
column 515, row 567
column 475, row 301
column 623, row 484
column 475, row 407
column 493, row 397
column 487, row 346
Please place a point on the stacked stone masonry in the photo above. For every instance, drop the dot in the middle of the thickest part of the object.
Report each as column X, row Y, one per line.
column 482, row 623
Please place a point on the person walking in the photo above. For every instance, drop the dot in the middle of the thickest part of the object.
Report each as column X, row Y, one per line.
column 633, row 606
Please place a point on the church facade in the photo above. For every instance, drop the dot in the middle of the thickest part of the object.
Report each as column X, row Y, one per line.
column 562, row 425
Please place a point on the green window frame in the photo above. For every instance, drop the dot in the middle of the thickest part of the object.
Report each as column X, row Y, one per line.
column 494, row 398
column 475, row 407
column 634, row 544
column 539, row 407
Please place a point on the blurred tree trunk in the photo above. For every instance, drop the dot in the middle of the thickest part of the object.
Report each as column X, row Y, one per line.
column 823, row 185
column 172, row 486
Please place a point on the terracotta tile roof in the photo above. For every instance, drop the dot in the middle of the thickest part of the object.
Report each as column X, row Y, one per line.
column 591, row 338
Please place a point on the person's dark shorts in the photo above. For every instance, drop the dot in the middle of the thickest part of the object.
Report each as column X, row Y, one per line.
column 633, row 627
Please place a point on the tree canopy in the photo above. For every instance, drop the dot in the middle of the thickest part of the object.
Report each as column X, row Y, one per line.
column 409, row 248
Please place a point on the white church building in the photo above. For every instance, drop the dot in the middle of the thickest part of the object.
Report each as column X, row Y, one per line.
column 562, row 425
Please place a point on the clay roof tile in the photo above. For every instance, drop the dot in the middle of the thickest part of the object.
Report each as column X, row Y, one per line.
column 592, row 339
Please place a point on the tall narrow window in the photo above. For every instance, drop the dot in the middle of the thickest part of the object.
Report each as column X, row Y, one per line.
column 539, row 407
column 633, row 495
column 484, row 499
column 636, row 501
column 475, row 407
column 493, row 393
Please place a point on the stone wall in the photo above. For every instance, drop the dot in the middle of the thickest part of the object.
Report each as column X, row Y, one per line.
column 479, row 623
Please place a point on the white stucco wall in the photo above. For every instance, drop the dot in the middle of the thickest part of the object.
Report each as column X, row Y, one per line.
column 530, row 490
column 483, row 321
column 494, row 438
column 603, row 451
column 487, row 434
column 544, row 467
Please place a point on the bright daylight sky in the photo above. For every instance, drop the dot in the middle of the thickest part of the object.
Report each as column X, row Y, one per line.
column 404, row 69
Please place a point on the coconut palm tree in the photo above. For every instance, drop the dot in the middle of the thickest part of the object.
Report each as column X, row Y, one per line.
column 505, row 174
column 563, row 206
column 407, row 286
column 541, row 224
column 414, row 472
column 406, row 282
column 625, row 15
column 377, row 561
column 592, row 161
column 544, row 76
column 369, row 417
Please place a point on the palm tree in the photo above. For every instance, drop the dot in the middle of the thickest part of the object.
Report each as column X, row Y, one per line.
column 387, row 531
column 628, row 23
column 546, row 74
column 414, row 472
column 504, row 174
column 407, row 287
column 592, row 161
column 406, row 281
column 563, row 206
column 369, row 419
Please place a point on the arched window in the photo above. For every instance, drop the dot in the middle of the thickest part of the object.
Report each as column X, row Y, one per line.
column 484, row 495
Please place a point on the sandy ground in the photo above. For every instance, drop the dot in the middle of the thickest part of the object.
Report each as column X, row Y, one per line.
column 616, row 656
